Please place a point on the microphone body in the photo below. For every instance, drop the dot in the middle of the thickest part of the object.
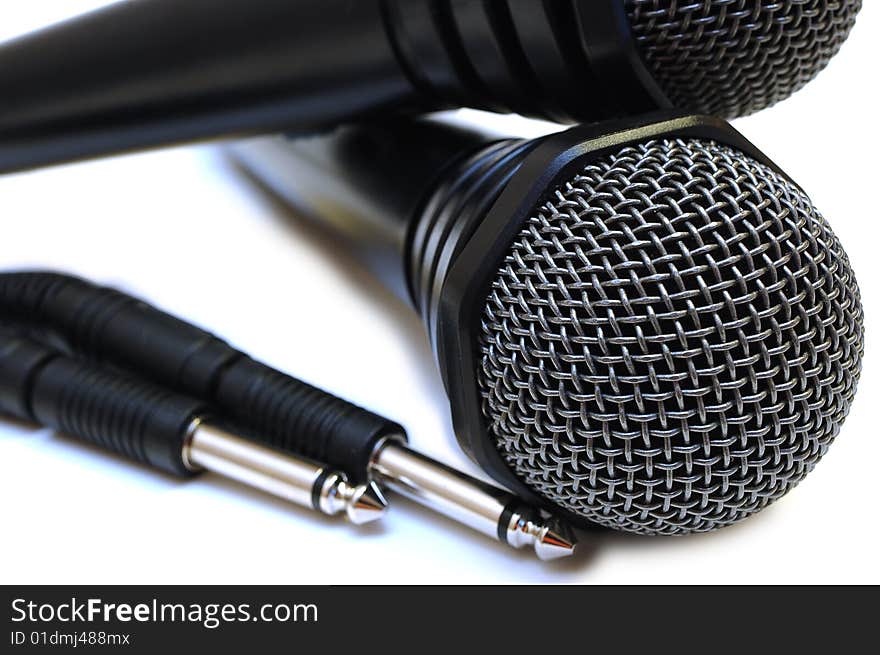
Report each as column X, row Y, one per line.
column 368, row 183
column 144, row 73
column 643, row 323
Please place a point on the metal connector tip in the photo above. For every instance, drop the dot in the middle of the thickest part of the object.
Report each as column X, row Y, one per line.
column 301, row 481
column 361, row 503
column 557, row 541
column 551, row 538
column 366, row 504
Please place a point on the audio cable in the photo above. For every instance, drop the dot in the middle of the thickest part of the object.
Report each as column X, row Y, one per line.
column 162, row 429
column 276, row 414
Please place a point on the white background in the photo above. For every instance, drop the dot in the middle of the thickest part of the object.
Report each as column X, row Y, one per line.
column 181, row 229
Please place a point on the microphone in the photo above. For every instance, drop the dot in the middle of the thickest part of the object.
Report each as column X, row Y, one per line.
column 146, row 73
column 642, row 324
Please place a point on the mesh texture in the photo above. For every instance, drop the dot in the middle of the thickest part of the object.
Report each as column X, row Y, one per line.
column 672, row 341
column 735, row 57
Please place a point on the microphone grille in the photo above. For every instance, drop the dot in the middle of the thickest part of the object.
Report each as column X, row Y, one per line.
column 735, row 57
column 673, row 340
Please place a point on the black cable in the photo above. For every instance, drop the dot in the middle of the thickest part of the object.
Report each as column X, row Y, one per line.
column 115, row 329
column 163, row 429
column 283, row 418
column 125, row 415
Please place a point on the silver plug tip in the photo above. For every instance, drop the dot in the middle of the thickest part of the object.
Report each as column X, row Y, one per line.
column 557, row 541
column 361, row 503
column 367, row 504
column 282, row 474
column 551, row 539
column 483, row 507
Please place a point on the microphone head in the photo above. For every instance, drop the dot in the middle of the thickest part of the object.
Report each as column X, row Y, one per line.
column 643, row 324
column 672, row 339
column 734, row 58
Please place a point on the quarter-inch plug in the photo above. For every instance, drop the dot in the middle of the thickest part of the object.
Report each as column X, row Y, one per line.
column 164, row 429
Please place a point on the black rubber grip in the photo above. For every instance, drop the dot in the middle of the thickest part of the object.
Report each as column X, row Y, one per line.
column 292, row 415
column 109, row 326
column 121, row 414
column 261, row 402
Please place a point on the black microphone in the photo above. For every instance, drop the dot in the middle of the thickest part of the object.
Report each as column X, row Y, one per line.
column 145, row 73
column 643, row 323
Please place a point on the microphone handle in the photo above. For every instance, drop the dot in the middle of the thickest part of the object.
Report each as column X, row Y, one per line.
column 145, row 73
column 390, row 191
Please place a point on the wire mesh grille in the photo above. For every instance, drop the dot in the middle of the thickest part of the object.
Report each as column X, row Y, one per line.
column 672, row 341
column 734, row 57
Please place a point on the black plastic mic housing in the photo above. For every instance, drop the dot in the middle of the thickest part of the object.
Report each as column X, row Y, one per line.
column 145, row 73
